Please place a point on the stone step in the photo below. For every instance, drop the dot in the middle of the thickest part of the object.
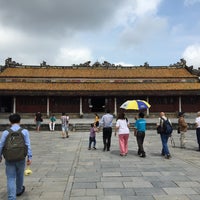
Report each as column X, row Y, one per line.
column 85, row 127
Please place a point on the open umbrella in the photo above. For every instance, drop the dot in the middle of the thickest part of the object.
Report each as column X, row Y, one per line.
column 135, row 105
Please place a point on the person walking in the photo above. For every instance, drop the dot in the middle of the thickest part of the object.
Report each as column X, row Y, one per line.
column 15, row 169
column 182, row 129
column 140, row 128
column 122, row 127
column 197, row 121
column 52, row 122
column 96, row 120
column 106, row 123
column 92, row 137
column 65, row 125
column 38, row 120
column 164, row 137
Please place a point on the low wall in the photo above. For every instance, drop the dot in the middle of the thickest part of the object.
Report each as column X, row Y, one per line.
column 85, row 127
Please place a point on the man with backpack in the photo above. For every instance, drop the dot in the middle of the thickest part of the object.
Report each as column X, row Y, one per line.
column 165, row 132
column 15, row 147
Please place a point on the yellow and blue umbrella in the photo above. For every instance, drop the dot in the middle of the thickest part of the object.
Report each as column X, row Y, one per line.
column 135, row 105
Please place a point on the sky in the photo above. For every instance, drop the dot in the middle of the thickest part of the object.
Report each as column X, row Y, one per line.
column 125, row 32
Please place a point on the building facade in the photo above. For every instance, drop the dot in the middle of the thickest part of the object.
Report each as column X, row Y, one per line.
column 81, row 89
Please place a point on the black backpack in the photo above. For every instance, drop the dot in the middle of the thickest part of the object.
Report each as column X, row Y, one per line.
column 15, row 148
column 167, row 127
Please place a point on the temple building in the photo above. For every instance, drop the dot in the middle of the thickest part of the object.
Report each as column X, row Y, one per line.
column 82, row 89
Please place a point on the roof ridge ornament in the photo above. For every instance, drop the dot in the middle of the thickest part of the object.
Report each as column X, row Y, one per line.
column 11, row 63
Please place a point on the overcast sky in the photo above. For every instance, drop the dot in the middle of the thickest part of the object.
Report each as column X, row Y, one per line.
column 127, row 32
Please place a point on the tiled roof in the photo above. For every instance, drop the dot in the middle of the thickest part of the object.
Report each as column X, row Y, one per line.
column 98, row 86
column 135, row 72
column 97, row 79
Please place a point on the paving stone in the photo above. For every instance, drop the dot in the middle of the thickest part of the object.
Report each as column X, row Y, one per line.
column 94, row 192
column 78, row 192
column 112, row 174
column 85, row 185
column 161, row 184
column 149, row 191
column 188, row 184
column 171, row 197
column 66, row 170
column 122, row 192
column 138, row 198
column 109, row 198
column 172, row 191
column 110, row 185
column 142, row 184
column 193, row 197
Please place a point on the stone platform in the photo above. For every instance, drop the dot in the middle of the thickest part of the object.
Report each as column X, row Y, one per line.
column 64, row 169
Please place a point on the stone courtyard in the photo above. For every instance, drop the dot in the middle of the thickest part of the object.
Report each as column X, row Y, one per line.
column 65, row 169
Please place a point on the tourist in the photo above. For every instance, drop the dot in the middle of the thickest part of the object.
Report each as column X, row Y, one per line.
column 52, row 122
column 197, row 121
column 38, row 120
column 15, row 169
column 164, row 137
column 96, row 120
column 92, row 137
column 122, row 127
column 106, row 123
column 65, row 125
column 182, row 129
column 140, row 128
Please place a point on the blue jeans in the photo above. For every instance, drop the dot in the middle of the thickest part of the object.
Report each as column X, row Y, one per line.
column 15, row 178
column 92, row 139
column 164, row 140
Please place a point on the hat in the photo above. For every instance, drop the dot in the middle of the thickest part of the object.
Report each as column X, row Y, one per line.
column 180, row 114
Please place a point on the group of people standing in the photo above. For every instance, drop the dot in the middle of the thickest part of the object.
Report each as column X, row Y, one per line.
column 182, row 130
column 52, row 122
column 122, row 128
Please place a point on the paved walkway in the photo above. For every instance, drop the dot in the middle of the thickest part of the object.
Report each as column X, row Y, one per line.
column 64, row 169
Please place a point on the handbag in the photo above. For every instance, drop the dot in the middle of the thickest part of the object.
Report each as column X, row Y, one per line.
column 135, row 132
column 159, row 129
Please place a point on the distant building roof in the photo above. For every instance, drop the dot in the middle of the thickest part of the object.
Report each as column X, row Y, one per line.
column 66, row 72
column 61, row 80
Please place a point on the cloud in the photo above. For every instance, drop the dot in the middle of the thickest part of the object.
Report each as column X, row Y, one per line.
column 71, row 32
column 192, row 55
column 139, row 22
column 134, row 9
column 124, row 64
column 56, row 18
column 144, row 30
column 70, row 56
column 191, row 2
column 147, row 7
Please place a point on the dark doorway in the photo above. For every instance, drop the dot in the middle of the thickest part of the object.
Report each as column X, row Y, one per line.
column 98, row 104
column 5, row 104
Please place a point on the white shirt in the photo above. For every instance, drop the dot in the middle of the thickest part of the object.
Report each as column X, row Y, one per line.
column 123, row 126
column 198, row 122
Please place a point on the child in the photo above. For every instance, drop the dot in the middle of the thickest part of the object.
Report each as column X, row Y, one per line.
column 92, row 137
column 52, row 122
